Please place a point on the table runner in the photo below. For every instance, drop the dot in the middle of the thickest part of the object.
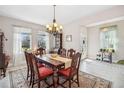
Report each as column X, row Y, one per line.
column 67, row 61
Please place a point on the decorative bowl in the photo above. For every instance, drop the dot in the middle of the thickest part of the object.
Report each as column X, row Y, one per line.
column 54, row 55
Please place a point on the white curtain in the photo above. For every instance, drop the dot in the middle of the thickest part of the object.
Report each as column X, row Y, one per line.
column 17, row 43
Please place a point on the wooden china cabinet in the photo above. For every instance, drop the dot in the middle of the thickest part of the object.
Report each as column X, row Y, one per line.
column 58, row 43
column 58, row 40
column 1, row 49
column 3, row 58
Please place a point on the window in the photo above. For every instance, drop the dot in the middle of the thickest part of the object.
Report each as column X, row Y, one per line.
column 22, row 39
column 108, row 37
column 25, row 40
column 43, row 40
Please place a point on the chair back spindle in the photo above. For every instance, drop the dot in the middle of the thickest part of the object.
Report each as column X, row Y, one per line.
column 70, row 53
column 41, row 51
column 63, row 52
column 75, row 63
column 35, row 66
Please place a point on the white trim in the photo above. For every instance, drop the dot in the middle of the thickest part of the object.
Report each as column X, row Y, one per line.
column 107, row 21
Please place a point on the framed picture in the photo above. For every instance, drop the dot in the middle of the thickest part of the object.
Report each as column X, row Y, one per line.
column 69, row 38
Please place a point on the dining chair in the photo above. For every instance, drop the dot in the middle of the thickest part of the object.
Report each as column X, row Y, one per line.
column 41, row 51
column 69, row 73
column 29, row 66
column 40, row 74
column 63, row 52
column 70, row 53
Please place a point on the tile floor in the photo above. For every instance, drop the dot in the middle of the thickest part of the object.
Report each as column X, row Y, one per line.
column 111, row 72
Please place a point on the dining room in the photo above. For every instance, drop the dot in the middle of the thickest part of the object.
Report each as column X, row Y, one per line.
column 60, row 48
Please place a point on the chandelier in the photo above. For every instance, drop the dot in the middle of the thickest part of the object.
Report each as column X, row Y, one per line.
column 54, row 27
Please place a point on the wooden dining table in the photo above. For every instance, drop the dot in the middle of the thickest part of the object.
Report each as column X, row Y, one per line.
column 49, row 61
column 55, row 63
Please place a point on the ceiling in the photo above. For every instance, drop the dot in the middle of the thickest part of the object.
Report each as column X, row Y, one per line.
column 43, row 14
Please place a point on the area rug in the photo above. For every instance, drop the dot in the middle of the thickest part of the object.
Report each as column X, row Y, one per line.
column 18, row 80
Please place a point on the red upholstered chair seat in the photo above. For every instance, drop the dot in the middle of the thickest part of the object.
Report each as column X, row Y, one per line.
column 45, row 72
column 40, row 65
column 64, row 72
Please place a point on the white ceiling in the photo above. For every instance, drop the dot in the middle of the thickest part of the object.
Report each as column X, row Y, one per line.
column 43, row 14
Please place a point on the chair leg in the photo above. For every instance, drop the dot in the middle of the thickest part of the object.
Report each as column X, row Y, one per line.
column 58, row 79
column 27, row 73
column 78, row 80
column 32, row 82
column 30, row 79
column 54, row 81
column 69, row 83
column 38, row 83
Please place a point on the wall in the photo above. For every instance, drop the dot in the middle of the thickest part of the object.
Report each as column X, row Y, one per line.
column 94, row 40
column 6, row 25
column 74, row 28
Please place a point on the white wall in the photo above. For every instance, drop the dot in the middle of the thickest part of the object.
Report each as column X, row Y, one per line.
column 94, row 40
column 6, row 25
column 74, row 28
